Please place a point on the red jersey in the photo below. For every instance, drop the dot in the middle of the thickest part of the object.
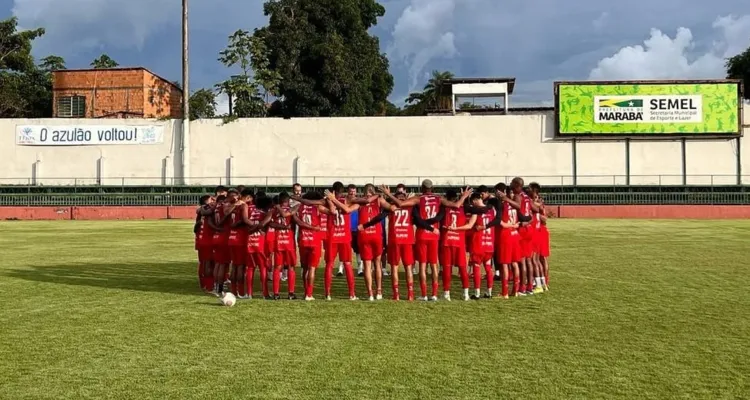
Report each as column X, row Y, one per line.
column 222, row 237
column 484, row 241
column 509, row 216
column 429, row 205
column 525, row 204
column 339, row 225
column 367, row 213
column 284, row 237
column 400, row 227
column 311, row 216
column 324, row 225
column 256, row 241
column 454, row 217
column 237, row 235
column 205, row 233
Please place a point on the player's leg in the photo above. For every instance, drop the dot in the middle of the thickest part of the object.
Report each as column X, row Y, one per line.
column 378, row 268
column 432, row 256
column 422, row 260
column 312, row 267
column 458, row 259
column 489, row 274
column 394, row 260
column 330, row 258
column 445, row 263
column 290, row 260
column 345, row 255
column 366, row 252
column 476, row 261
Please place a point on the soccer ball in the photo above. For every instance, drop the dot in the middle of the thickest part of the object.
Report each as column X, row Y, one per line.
column 228, row 300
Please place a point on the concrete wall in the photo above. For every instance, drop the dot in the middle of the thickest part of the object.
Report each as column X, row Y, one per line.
column 448, row 149
column 87, row 165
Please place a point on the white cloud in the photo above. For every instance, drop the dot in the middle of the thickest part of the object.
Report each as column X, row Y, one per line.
column 422, row 34
column 663, row 57
column 222, row 104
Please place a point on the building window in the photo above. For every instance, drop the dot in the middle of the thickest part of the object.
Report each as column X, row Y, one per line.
column 71, row 107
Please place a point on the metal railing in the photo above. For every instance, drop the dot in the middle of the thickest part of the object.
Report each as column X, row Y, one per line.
column 553, row 198
column 413, row 180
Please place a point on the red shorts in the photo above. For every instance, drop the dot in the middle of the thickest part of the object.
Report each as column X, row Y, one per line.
column 310, row 256
column 205, row 252
column 257, row 260
column 542, row 239
column 453, row 256
column 510, row 249
column 342, row 250
column 238, row 255
column 221, row 254
column 400, row 253
column 286, row 258
column 270, row 243
column 370, row 249
column 480, row 258
column 427, row 251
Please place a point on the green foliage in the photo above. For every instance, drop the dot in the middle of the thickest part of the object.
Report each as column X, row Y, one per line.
column 392, row 110
column 245, row 51
column 202, row 104
column 104, row 62
column 429, row 98
column 327, row 62
column 26, row 88
column 738, row 67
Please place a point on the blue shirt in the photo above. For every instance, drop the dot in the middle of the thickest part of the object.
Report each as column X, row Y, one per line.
column 354, row 218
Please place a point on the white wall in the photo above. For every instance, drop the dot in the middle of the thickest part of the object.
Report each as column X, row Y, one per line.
column 85, row 165
column 448, row 149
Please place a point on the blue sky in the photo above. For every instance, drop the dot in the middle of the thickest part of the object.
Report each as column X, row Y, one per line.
column 537, row 41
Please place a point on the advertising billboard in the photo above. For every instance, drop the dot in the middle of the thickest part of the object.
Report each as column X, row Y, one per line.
column 642, row 109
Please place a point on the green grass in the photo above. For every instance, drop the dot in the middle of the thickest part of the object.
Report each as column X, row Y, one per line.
column 638, row 309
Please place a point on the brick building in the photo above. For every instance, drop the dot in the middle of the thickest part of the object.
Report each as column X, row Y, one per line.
column 114, row 93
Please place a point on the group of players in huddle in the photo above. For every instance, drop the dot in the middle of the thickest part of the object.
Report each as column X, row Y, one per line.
column 239, row 232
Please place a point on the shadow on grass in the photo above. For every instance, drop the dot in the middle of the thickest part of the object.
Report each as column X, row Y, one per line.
column 177, row 277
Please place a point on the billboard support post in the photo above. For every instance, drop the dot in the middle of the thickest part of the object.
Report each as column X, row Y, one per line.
column 739, row 162
column 627, row 161
column 683, row 155
column 574, row 145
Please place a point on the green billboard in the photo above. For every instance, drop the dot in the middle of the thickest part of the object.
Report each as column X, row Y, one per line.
column 648, row 109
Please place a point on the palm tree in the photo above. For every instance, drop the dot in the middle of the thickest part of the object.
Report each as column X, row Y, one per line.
column 429, row 97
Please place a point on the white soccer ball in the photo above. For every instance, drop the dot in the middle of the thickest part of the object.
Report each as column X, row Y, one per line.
column 228, row 299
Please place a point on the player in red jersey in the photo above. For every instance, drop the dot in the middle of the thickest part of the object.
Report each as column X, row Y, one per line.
column 311, row 232
column 204, row 230
column 237, row 241
column 427, row 241
column 526, row 208
column 339, row 236
column 541, row 237
column 370, row 239
column 483, row 245
column 509, row 254
column 256, row 217
column 285, row 256
column 222, row 254
column 453, row 246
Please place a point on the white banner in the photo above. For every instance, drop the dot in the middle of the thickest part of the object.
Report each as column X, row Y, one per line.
column 88, row 135
column 638, row 109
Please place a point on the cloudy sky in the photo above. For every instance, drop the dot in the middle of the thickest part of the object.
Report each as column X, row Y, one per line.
column 537, row 41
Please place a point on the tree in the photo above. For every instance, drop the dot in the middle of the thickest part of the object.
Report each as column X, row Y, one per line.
column 243, row 90
column 202, row 104
column 738, row 67
column 429, row 98
column 104, row 62
column 392, row 110
column 52, row 63
column 26, row 88
column 327, row 62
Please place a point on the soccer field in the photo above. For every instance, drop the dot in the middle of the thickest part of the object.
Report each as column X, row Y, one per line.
column 637, row 309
